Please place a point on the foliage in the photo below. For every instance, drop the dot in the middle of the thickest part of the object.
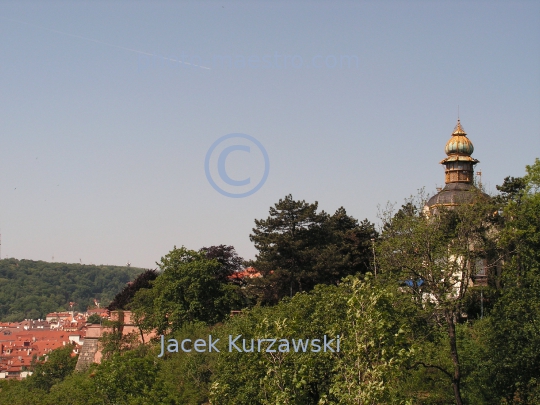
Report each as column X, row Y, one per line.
column 114, row 340
column 299, row 248
column 124, row 297
column 269, row 378
column 372, row 334
column 31, row 289
column 403, row 336
column 94, row 319
column 513, row 336
column 184, row 378
column 124, row 376
column 378, row 345
column 511, row 189
column 187, row 290
column 52, row 368
column 77, row 389
column 14, row 392
column 228, row 259
column 433, row 256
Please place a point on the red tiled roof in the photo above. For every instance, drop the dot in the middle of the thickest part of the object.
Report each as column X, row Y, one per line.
column 249, row 272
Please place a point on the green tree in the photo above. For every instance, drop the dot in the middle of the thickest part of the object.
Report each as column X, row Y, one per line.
column 228, row 259
column 76, row 389
column 187, row 290
column 52, row 368
column 94, row 319
column 287, row 378
column 299, row 248
column 126, row 377
column 371, row 323
column 114, row 340
column 13, row 392
column 124, row 297
column 377, row 348
column 49, row 287
column 184, row 378
column 513, row 336
column 433, row 256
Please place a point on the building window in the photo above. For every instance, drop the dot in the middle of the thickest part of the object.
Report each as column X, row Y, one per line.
column 481, row 267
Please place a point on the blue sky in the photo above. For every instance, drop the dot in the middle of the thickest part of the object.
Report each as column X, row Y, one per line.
column 104, row 124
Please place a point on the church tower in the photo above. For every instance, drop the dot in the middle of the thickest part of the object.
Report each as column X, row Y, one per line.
column 458, row 173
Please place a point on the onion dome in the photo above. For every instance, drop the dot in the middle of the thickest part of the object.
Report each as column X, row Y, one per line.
column 459, row 143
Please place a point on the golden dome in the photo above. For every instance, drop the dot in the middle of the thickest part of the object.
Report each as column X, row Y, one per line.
column 459, row 143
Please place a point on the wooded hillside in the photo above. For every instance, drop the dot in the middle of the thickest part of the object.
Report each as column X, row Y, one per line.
column 30, row 289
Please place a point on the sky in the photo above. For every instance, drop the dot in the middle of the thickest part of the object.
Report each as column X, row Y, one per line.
column 112, row 114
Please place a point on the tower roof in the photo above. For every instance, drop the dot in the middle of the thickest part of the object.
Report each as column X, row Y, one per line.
column 459, row 143
column 459, row 171
column 458, row 129
column 454, row 194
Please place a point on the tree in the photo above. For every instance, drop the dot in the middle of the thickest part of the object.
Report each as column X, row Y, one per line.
column 126, row 377
column 346, row 248
column 53, row 367
column 49, row 287
column 77, row 389
column 94, row 319
column 513, row 340
column 377, row 345
column 114, row 340
column 187, row 290
column 15, row 392
column 261, row 377
column 184, row 379
column 511, row 188
column 299, row 248
column 371, row 323
column 433, row 256
column 124, row 297
column 228, row 259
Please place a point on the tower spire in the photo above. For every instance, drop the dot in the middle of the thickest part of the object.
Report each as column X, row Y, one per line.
column 458, row 171
column 458, row 130
column 459, row 164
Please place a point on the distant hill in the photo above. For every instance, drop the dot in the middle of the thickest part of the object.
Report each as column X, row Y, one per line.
column 31, row 289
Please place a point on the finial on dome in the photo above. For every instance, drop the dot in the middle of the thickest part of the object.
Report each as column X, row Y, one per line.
column 458, row 130
column 459, row 143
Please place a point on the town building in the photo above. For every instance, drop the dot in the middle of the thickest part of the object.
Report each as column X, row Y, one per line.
column 23, row 342
column 460, row 188
column 91, row 351
column 458, row 174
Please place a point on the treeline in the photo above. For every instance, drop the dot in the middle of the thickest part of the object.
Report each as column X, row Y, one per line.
column 415, row 323
column 31, row 289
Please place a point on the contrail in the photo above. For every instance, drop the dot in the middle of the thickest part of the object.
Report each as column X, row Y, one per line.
column 104, row 43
